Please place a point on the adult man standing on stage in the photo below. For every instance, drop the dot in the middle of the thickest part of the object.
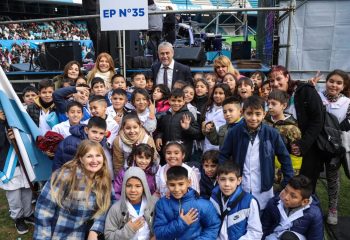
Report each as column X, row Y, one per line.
column 168, row 71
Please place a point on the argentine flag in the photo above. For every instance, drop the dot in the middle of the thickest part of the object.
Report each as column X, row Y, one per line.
column 37, row 164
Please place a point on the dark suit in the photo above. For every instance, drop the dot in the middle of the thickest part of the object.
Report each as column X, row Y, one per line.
column 180, row 72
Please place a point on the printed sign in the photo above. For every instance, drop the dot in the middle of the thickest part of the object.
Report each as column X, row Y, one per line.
column 123, row 15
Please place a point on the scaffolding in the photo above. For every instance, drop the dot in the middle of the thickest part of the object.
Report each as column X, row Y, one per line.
column 121, row 34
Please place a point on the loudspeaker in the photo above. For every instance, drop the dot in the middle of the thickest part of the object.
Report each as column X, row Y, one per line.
column 58, row 54
column 192, row 56
column 241, row 50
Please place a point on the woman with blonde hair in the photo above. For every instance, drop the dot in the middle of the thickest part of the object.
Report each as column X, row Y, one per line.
column 104, row 68
column 74, row 203
column 223, row 65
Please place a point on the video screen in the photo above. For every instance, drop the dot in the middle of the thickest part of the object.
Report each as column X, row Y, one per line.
column 70, row 2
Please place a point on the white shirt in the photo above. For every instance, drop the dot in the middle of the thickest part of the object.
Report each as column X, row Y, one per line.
column 62, row 128
column 170, row 70
column 251, row 181
column 144, row 232
column 44, row 127
column 215, row 115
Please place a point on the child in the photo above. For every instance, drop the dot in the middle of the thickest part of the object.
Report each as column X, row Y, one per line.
column 211, row 79
column 138, row 80
column 43, row 105
column 210, row 161
column 238, row 210
column 118, row 82
column 254, row 145
column 130, row 133
column 81, row 80
column 201, row 96
column 197, row 76
column 265, row 90
column 189, row 97
column 74, row 114
column 258, row 78
column 231, row 81
column 232, row 114
column 141, row 156
column 177, row 124
column 295, row 212
column 179, row 84
column 245, row 88
column 29, row 94
column 160, row 95
column 286, row 126
column 184, row 215
column 95, row 131
column 145, row 109
column 98, row 108
column 18, row 192
column 149, row 84
column 80, row 93
column 174, row 153
column 214, row 113
column 132, row 216
column 98, row 87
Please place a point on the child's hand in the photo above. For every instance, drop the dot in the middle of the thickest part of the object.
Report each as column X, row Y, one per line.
column 314, row 80
column 2, row 115
column 190, row 217
column 295, row 150
column 10, row 134
column 159, row 144
column 82, row 89
column 185, row 121
column 92, row 235
column 137, row 224
column 208, row 127
column 118, row 118
column 152, row 109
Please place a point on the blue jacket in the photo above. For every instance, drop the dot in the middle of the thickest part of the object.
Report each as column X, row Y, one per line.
column 169, row 225
column 310, row 225
column 271, row 145
column 239, row 228
column 68, row 147
column 61, row 102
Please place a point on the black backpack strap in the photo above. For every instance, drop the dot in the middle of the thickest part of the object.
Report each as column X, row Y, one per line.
column 228, row 209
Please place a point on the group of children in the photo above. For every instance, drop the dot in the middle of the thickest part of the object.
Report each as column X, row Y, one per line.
column 165, row 144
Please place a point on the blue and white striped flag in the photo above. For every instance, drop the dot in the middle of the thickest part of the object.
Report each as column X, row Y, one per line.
column 37, row 164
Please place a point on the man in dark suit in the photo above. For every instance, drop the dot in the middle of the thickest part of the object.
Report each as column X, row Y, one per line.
column 168, row 71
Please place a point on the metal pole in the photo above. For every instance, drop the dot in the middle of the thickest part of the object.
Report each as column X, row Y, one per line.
column 124, row 58
column 230, row 10
column 289, row 35
column 120, row 50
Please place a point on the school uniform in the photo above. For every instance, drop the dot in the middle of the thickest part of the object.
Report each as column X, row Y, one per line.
column 216, row 116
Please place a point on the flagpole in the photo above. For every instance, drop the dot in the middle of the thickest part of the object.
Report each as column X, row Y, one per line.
column 15, row 146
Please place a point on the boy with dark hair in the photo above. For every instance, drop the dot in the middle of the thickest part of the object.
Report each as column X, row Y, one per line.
column 294, row 214
column 238, row 210
column 95, row 131
column 184, row 215
column 232, row 114
column 138, row 80
column 285, row 124
column 29, row 93
column 178, row 124
column 74, row 114
column 43, row 105
column 98, row 87
column 254, row 145
column 210, row 161
column 79, row 93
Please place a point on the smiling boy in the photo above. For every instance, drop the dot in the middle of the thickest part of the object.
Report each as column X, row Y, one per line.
column 254, row 145
column 184, row 215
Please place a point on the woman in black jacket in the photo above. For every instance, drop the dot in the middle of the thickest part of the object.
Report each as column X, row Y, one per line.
column 306, row 106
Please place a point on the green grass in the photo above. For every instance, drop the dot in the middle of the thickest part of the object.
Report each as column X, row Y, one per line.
column 7, row 225
column 8, row 231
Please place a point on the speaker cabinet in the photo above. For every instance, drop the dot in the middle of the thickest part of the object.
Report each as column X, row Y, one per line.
column 191, row 56
column 58, row 54
column 241, row 50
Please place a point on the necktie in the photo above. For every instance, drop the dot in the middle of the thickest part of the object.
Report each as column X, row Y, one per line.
column 165, row 76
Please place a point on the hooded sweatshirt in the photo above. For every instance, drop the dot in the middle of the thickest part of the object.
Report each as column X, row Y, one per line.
column 116, row 227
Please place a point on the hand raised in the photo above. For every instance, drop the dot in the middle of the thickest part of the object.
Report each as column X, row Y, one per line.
column 185, row 121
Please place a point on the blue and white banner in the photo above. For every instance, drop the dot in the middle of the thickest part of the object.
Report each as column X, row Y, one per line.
column 7, row 173
column 36, row 163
